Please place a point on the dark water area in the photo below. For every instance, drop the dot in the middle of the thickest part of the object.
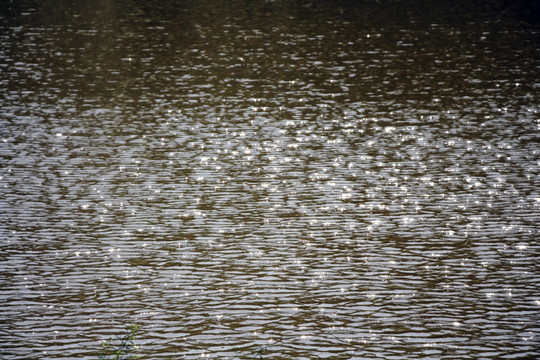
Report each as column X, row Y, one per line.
column 327, row 179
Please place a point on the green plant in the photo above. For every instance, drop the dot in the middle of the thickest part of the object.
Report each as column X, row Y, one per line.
column 257, row 353
column 123, row 350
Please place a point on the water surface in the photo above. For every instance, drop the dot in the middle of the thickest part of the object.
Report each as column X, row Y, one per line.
column 333, row 180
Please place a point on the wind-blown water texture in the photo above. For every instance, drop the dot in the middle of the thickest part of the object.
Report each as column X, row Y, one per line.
column 338, row 180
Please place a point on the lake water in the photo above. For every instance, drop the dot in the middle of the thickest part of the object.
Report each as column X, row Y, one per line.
column 325, row 179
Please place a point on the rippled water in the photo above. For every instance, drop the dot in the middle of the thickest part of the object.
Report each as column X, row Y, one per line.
column 335, row 180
